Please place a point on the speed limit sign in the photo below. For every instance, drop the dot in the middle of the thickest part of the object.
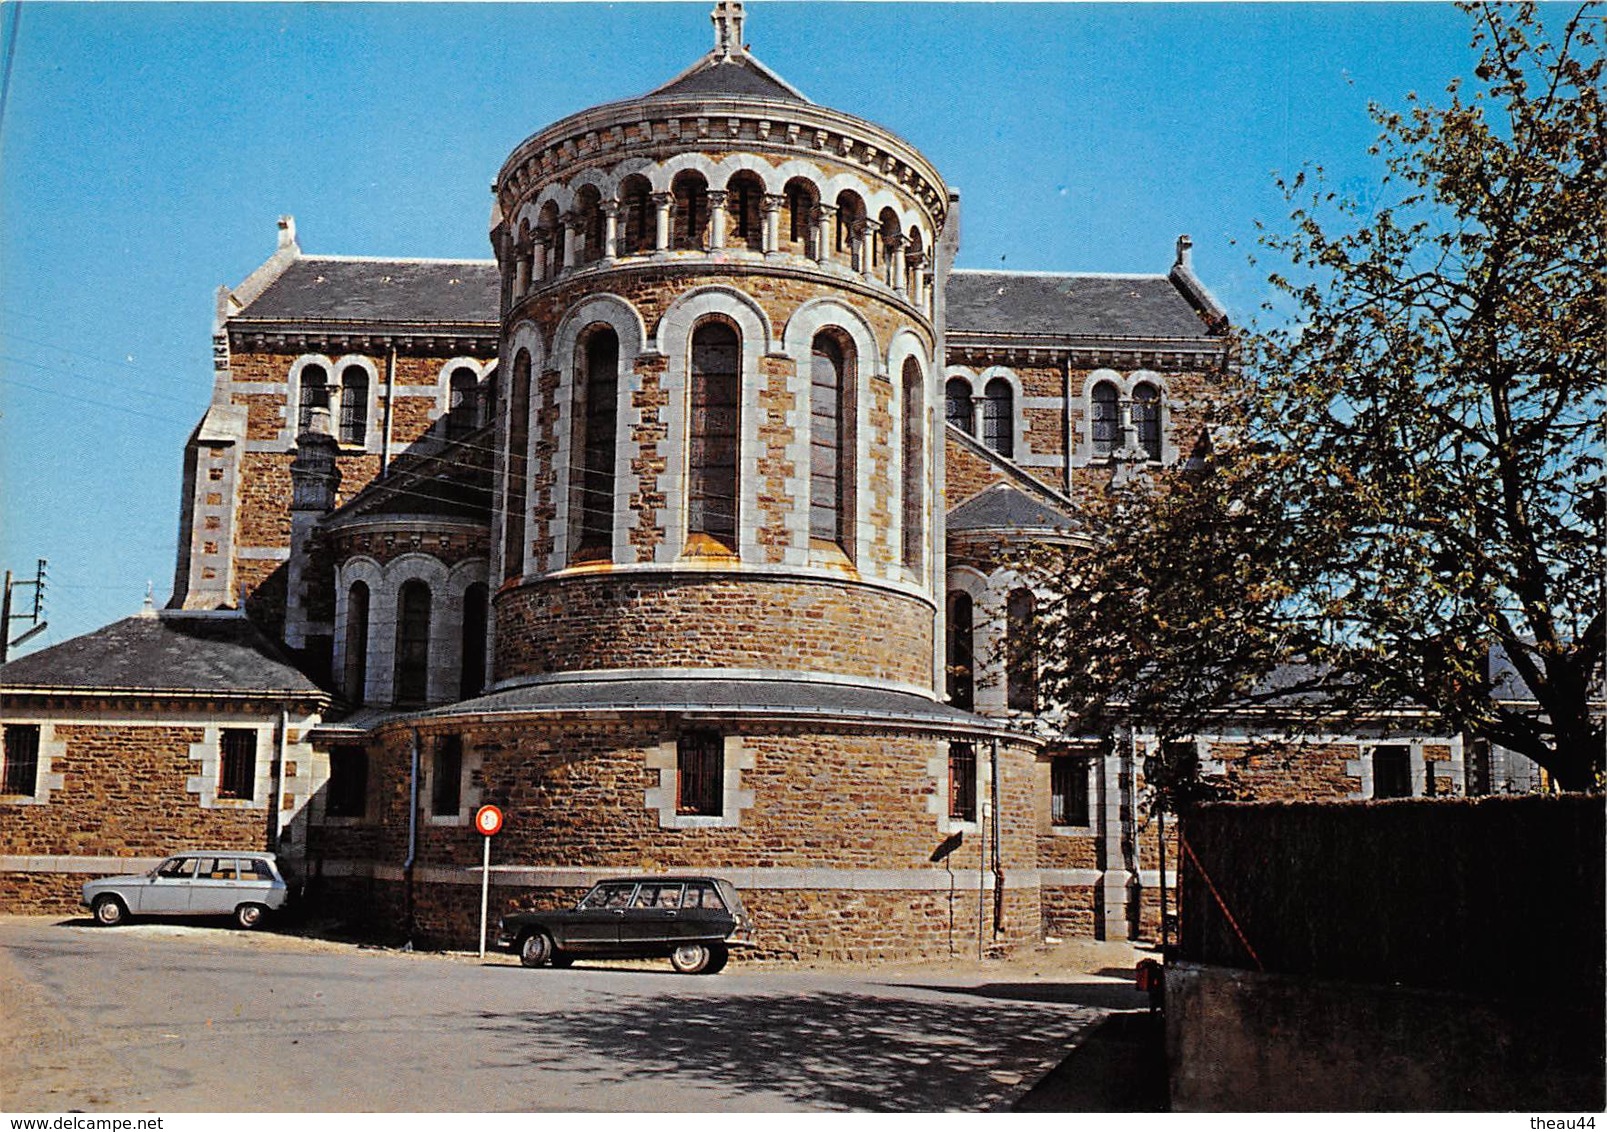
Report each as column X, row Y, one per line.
column 488, row 820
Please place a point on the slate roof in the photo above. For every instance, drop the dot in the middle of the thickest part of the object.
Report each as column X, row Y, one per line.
column 1005, row 508
column 695, row 694
column 739, row 75
column 1053, row 305
column 328, row 289
column 168, row 652
column 454, row 483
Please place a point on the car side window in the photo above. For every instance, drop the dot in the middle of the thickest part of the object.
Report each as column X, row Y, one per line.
column 702, row 896
column 658, row 896
column 177, row 868
column 619, row 897
column 608, row 896
column 253, row 869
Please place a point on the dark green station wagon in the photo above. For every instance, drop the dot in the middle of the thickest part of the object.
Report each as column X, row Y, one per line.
column 694, row 921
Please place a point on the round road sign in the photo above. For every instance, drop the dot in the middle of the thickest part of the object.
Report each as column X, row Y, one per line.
column 488, row 820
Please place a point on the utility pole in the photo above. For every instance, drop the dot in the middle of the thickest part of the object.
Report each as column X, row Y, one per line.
column 7, row 617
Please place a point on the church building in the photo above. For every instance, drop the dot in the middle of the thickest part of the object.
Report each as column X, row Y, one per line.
column 685, row 530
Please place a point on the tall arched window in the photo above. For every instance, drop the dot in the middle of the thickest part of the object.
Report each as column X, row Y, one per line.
column 914, row 460
column 714, row 433
column 1104, row 419
column 998, row 417
column 957, row 405
column 475, row 608
column 1021, row 659
column 829, row 440
column 691, row 194
column 1147, row 418
column 592, row 491
column 356, row 677
column 637, row 222
column 513, row 558
column 962, row 651
column 463, row 403
column 314, row 394
column 412, row 644
column 354, row 405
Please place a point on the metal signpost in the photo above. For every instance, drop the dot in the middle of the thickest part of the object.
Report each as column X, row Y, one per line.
column 488, row 820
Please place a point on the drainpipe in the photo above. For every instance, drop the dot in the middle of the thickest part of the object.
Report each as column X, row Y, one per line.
column 1068, row 434
column 390, row 404
column 412, row 839
column 281, row 749
column 998, row 867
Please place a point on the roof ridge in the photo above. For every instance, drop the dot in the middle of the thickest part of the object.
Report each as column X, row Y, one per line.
column 393, row 259
column 1156, row 275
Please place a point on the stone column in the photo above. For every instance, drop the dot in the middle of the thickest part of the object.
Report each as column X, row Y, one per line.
column 895, row 266
column 610, row 229
column 916, row 262
column 717, row 198
column 864, row 232
column 661, row 222
column 521, row 273
column 573, row 233
column 541, row 257
column 824, row 216
column 772, row 223
column 314, row 486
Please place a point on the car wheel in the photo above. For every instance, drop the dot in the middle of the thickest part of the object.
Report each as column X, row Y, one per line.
column 249, row 916
column 719, row 956
column 109, row 911
column 535, row 949
column 691, row 958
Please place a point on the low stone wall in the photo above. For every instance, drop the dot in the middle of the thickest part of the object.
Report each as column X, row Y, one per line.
column 1243, row 1041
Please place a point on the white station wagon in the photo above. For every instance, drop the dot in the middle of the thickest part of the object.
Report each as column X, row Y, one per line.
column 223, row 882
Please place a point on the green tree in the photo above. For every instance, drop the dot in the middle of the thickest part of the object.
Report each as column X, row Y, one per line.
column 1407, row 474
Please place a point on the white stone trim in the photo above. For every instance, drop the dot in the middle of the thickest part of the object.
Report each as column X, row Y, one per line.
column 934, row 879
column 287, row 434
column 665, row 759
column 1018, row 418
column 209, row 753
column 373, row 425
column 937, row 772
column 469, row 795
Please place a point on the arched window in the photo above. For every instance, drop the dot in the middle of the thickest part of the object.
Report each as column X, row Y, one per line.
column 637, row 221
column 412, row 644
column 998, row 417
column 829, row 490
column 957, row 405
column 314, row 394
column 711, row 487
column 356, row 678
column 1021, row 658
column 354, row 405
column 802, row 201
column 914, row 461
column 462, row 403
column 592, row 486
column 691, row 211
column 513, row 559
column 1147, row 418
column 475, row 608
column 1104, row 419
column 745, row 203
column 962, row 650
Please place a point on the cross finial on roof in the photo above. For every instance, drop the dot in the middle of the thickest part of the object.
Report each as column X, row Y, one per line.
column 727, row 17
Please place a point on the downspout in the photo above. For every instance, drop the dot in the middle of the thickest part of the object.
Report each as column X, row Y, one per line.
column 412, row 839
column 390, row 403
column 281, row 750
column 998, row 866
column 1068, row 435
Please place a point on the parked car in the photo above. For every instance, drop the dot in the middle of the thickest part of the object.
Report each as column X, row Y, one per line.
column 221, row 882
column 695, row 921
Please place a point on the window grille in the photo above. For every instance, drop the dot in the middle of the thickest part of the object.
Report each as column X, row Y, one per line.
column 354, row 405
column 962, row 781
column 237, row 772
column 1147, row 419
column 998, row 424
column 716, row 414
column 594, row 494
column 826, row 478
column 1068, row 790
column 1105, row 419
column 700, row 774
column 314, row 394
column 21, row 775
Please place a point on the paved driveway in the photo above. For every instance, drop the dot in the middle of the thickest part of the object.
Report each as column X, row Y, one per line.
column 184, row 1018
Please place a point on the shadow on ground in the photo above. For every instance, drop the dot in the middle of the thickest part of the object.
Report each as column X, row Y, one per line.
column 828, row 1051
column 1119, row 1066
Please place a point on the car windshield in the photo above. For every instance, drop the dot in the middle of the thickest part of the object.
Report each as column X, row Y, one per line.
column 176, row 867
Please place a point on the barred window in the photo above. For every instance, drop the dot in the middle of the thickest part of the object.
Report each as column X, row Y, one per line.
column 237, row 770
column 1068, row 790
column 700, row 774
column 446, row 785
column 21, row 774
column 962, row 781
column 827, row 481
column 714, row 428
column 998, row 417
column 593, row 438
column 957, row 405
column 1104, row 419
column 347, row 795
column 463, row 403
column 354, row 405
column 1147, row 418
column 314, row 394
column 413, row 643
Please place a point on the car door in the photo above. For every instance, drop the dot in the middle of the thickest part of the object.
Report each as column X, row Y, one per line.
column 594, row 924
column 213, row 892
column 703, row 914
column 654, row 915
column 168, row 893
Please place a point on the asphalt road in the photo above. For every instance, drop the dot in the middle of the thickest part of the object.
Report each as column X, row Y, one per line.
column 184, row 1018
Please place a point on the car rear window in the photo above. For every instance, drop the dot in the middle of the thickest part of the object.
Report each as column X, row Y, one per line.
column 255, row 869
column 702, row 895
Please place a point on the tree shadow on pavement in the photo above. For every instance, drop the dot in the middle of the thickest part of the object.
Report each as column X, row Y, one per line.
column 1107, row 996
column 829, row 1051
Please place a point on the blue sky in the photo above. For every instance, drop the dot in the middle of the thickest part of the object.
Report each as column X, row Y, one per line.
column 147, row 150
